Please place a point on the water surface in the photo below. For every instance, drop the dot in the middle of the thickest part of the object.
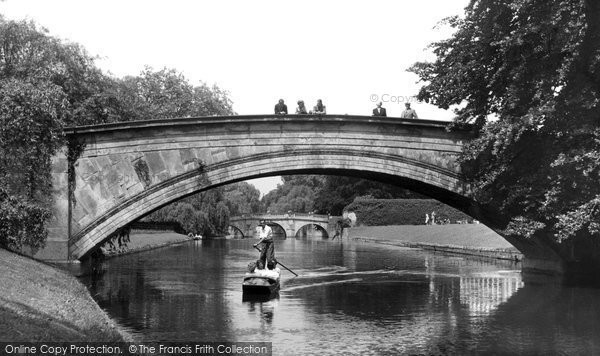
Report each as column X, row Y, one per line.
column 350, row 298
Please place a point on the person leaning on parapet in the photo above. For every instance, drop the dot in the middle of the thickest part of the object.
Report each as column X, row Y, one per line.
column 319, row 109
column 280, row 108
column 301, row 109
column 379, row 111
column 409, row 113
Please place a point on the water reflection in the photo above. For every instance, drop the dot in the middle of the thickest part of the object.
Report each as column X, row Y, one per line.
column 482, row 295
column 262, row 307
column 350, row 298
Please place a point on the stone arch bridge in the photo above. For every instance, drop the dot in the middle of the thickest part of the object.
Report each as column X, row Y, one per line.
column 291, row 223
column 120, row 172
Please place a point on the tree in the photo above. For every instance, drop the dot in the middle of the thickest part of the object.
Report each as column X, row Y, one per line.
column 28, row 53
column 31, row 120
column 45, row 84
column 242, row 198
column 526, row 75
column 297, row 194
column 168, row 94
column 33, row 110
column 204, row 213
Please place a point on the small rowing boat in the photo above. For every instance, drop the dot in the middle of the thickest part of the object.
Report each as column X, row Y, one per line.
column 261, row 281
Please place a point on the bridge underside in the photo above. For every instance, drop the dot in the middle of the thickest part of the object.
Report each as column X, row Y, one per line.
column 213, row 176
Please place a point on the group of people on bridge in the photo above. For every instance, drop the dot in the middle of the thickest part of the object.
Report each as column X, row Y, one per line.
column 320, row 109
column 408, row 112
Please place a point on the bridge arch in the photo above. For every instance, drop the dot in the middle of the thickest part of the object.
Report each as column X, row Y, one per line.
column 277, row 227
column 177, row 188
column 317, row 226
column 237, row 230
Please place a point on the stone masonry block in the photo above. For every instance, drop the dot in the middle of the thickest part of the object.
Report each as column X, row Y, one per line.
column 172, row 159
column 155, row 163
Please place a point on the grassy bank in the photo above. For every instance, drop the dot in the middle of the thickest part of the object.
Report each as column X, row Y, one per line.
column 471, row 239
column 144, row 240
column 43, row 303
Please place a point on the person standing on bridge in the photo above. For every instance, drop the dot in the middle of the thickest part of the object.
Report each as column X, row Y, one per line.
column 319, row 109
column 409, row 113
column 267, row 252
column 379, row 111
column 281, row 108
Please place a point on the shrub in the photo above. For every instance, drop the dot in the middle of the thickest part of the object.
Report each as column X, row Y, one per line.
column 379, row 212
column 22, row 223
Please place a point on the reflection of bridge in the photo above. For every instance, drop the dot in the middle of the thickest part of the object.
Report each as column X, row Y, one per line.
column 114, row 174
column 290, row 223
column 484, row 294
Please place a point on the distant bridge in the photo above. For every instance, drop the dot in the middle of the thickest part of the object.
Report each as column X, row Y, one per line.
column 291, row 223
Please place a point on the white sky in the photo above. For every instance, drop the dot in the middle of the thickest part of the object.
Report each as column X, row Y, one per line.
column 343, row 52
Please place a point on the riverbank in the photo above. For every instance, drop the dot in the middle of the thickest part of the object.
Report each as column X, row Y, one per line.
column 43, row 303
column 465, row 239
column 145, row 240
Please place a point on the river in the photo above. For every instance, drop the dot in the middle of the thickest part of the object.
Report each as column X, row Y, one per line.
column 351, row 298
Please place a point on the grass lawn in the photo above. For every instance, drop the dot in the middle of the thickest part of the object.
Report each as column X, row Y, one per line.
column 458, row 235
column 146, row 238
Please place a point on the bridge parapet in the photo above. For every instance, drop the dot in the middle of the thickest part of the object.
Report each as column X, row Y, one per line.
column 298, row 216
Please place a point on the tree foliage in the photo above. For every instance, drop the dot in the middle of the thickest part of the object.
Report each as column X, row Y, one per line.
column 166, row 93
column 21, row 222
column 339, row 191
column 526, row 74
column 211, row 209
column 29, row 54
column 296, row 194
column 33, row 109
column 242, row 198
column 326, row 194
column 31, row 119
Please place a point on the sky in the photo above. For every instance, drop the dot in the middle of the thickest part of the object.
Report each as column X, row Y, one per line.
column 351, row 54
